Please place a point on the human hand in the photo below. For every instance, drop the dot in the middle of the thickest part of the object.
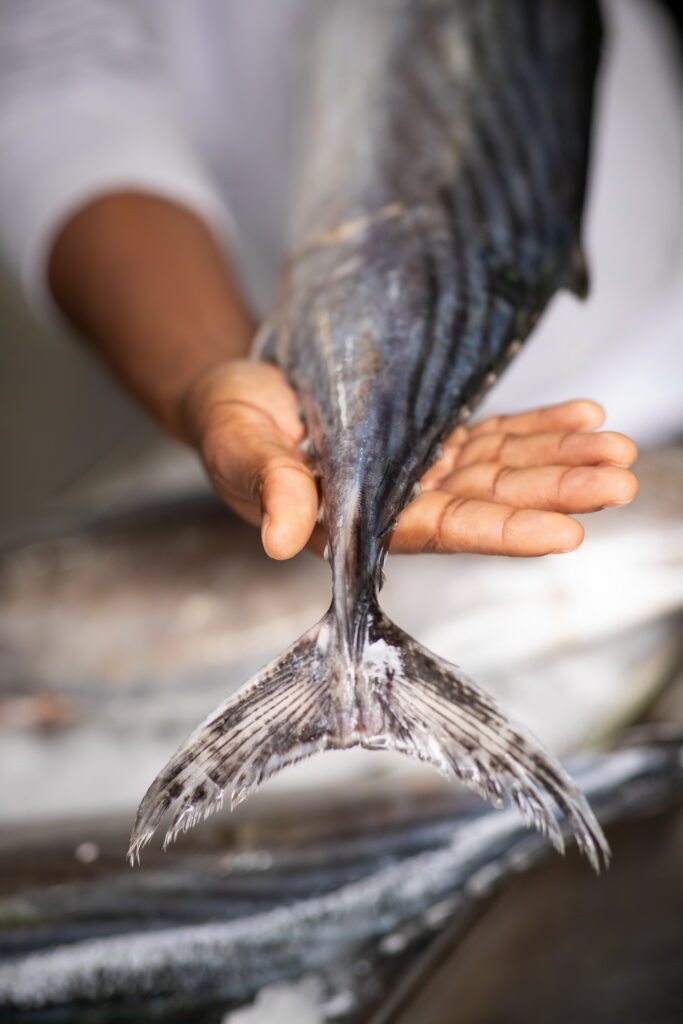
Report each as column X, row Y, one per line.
column 508, row 485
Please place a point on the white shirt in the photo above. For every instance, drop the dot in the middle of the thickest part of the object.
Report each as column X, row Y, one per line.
column 196, row 100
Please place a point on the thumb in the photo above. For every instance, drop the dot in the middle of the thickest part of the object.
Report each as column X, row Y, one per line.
column 289, row 503
column 263, row 479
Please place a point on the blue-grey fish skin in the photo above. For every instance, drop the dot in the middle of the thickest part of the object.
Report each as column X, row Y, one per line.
column 439, row 210
column 464, row 156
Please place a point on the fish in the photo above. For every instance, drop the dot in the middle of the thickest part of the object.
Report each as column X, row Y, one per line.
column 214, row 925
column 438, row 210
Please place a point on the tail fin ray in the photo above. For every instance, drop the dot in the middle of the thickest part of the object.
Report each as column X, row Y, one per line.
column 396, row 695
column 490, row 754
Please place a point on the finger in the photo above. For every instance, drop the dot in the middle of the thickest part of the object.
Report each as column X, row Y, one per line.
column 565, row 448
column 578, row 414
column 573, row 489
column 438, row 522
column 289, row 499
column 264, row 479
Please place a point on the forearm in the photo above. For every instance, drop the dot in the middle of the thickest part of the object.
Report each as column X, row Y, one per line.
column 144, row 282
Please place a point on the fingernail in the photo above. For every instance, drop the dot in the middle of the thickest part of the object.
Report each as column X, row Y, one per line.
column 265, row 524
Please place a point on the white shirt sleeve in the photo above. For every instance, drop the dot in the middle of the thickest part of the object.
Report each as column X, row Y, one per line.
column 84, row 110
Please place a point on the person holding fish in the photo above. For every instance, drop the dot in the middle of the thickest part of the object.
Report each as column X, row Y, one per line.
column 135, row 265
column 430, row 230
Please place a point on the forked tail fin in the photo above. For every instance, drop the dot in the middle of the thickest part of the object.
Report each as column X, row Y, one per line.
column 395, row 696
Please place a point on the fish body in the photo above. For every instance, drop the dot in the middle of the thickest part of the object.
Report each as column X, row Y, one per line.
column 439, row 210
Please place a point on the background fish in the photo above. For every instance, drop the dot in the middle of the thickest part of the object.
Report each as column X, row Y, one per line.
column 355, row 907
column 440, row 207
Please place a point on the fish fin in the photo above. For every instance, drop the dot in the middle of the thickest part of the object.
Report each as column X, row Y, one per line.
column 281, row 716
column 434, row 712
column 576, row 277
column 394, row 695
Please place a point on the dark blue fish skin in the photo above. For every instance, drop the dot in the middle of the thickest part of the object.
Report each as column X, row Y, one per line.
column 439, row 210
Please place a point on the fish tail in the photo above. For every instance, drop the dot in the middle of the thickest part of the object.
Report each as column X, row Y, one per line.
column 391, row 694
column 435, row 712
column 279, row 717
